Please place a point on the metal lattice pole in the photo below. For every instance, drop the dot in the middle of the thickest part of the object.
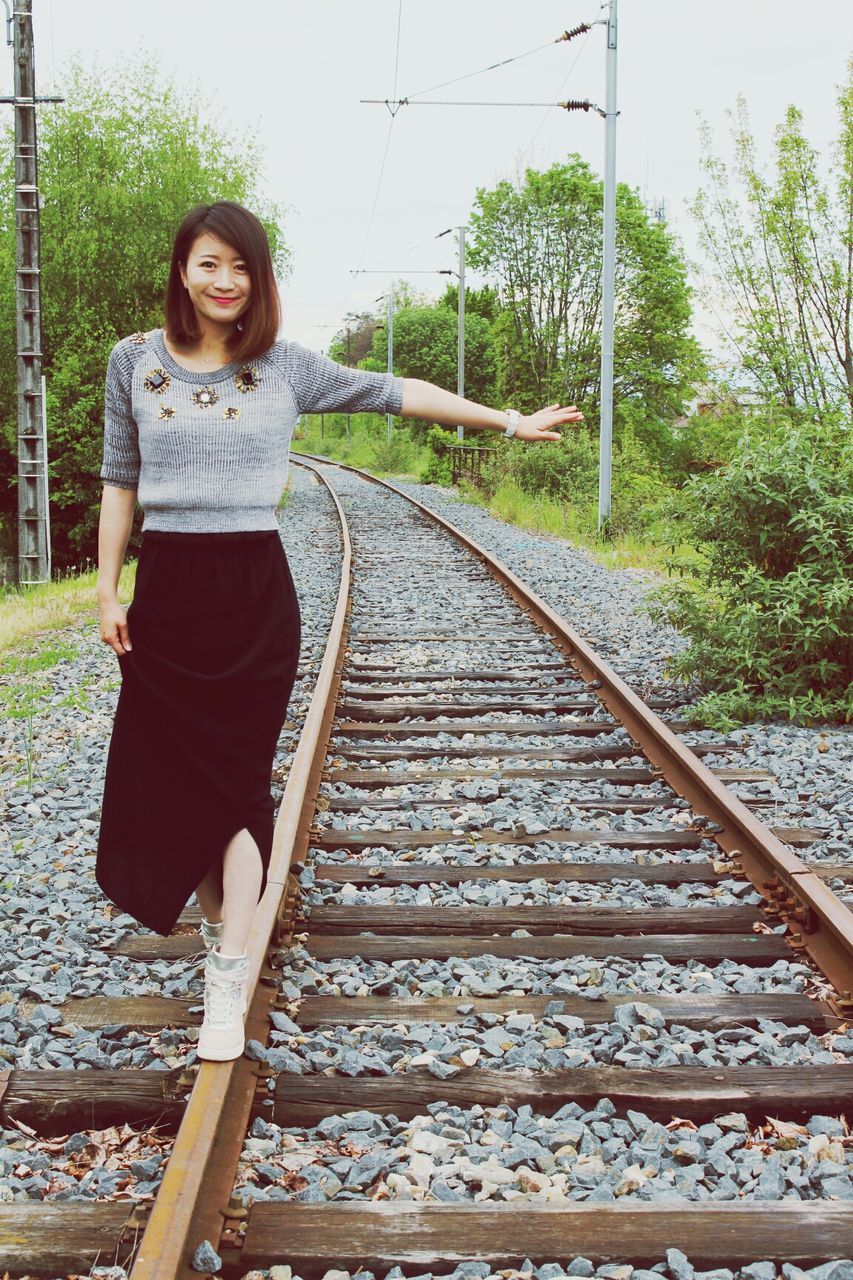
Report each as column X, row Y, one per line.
column 33, row 516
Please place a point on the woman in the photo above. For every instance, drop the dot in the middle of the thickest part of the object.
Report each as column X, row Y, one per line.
column 198, row 422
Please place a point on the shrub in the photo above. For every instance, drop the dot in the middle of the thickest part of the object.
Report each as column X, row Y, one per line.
column 768, row 609
column 438, row 469
column 567, row 470
column 396, row 454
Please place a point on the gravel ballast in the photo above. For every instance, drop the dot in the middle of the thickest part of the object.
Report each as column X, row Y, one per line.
column 476, row 1155
column 813, row 766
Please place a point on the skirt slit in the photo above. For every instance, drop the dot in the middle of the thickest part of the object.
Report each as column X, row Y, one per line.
column 215, row 629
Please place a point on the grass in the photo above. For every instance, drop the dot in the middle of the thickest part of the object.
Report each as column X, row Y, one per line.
column 29, row 647
column 543, row 514
column 371, row 451
column 26, row 613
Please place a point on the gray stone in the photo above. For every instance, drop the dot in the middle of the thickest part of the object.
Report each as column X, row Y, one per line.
column 580, row 1267
column 679, row 1265
column 281, row 1022
column 442, row 1191
column 205, row 1258
column 841, row 1188
column 839, row 1270
column 829, row 1125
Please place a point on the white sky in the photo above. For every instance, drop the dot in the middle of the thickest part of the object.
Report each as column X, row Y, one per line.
column 296, row 71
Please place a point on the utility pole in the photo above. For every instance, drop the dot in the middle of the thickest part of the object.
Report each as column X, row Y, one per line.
column 460, row 341
column 33, row 516
column 605, row 447
column 390, row 348
column 349, row 364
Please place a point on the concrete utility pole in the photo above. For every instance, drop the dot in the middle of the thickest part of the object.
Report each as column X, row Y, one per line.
column 460, row 345
column 605, row 455
column 33, row 516
column 390, row 349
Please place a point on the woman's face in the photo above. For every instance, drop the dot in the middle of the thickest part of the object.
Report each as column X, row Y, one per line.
column 217, row 279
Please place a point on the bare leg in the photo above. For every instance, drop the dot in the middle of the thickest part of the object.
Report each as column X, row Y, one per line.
column 209, row 894
column 242, row 871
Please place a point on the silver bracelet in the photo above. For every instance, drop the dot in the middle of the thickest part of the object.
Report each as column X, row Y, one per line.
column 511, row 422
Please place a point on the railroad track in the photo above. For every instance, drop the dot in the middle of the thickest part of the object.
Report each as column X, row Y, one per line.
column 449, row 701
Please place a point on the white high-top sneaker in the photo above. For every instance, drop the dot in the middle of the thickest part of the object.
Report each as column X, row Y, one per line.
column 222, row 1036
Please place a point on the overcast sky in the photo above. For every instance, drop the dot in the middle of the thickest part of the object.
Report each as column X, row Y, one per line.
column 295, row 72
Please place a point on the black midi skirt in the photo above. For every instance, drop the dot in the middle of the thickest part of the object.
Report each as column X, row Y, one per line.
column 214, row 627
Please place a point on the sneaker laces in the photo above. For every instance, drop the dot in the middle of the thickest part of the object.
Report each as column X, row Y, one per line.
column 221, row 992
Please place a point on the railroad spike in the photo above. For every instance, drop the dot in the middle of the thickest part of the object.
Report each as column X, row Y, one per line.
column 235, row 1210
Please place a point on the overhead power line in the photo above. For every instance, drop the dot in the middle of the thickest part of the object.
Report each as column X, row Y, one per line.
column 401, row 252
column 573, row 104
column 505, row 62
column 383, row 162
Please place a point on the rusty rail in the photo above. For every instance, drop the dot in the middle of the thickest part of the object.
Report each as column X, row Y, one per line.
column 192, row 1203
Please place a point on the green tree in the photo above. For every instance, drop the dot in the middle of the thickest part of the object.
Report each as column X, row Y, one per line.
column 120, row 162
column 478, row 302
column 425, row 346
column 780, row 252
column 352, row 343
column 539, row 243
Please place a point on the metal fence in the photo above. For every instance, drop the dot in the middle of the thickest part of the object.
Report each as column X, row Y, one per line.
column 466, row 461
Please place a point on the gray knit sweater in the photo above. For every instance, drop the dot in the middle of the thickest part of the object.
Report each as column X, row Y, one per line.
column 208, row 452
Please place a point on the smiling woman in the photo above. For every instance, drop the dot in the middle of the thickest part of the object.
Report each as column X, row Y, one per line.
column 198, row 422
column 220, row 257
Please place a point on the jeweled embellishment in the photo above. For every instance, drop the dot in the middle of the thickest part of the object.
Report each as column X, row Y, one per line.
column 247, row 379
column 166, row 411
column 230, row 413
column 158, row 381
column 139, row 338
column 205, row 397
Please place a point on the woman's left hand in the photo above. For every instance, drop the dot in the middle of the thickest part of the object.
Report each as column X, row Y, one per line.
column 540, row 425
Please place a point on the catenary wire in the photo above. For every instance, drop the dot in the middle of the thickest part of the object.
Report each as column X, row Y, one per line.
column 341, row 305
column 470, row 74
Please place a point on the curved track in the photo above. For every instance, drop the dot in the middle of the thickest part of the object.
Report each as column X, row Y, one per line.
column 445, row 679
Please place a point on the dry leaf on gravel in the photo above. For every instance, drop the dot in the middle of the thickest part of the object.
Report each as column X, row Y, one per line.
column 784, row 1128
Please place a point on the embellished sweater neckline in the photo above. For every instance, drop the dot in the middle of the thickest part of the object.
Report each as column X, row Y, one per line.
column 197, row 376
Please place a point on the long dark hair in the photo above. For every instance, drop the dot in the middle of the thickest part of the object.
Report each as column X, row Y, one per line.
column 244, row 233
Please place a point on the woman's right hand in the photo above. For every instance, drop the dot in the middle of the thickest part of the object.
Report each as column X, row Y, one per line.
column 113, row 626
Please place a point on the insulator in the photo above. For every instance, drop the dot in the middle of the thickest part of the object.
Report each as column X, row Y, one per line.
column 575, row 31
column 574, row 105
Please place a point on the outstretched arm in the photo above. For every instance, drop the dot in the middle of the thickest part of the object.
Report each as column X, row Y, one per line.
column 424, row 400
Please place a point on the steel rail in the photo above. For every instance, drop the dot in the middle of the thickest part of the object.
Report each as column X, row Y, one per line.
column 820, row 924
column 192, row 1202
